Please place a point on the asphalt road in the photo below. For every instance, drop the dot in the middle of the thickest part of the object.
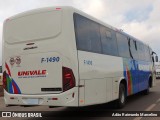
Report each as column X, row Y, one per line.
column 138, row 102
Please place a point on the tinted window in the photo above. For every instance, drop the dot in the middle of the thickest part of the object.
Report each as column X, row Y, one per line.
column 134, row 49
column 141, row 51
column 87, row 34
column 147, row 54
column 123, row 47
column 109, row 43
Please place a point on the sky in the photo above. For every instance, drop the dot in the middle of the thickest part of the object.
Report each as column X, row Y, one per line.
column 139, row 18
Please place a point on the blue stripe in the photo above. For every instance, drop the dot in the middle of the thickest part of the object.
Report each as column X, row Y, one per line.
column 19, row 92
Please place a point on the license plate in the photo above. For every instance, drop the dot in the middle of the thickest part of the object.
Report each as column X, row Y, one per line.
column 32, row 101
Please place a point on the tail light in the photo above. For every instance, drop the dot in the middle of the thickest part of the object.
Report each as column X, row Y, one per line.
column 4, row 80
column 68, row 79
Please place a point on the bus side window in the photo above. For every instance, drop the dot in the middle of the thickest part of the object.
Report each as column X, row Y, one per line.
column 123, row 46
column 87, row 34
column 147, row 53
column 134, row 51
column 109, row 43
column 141, row 51
column 94, row 36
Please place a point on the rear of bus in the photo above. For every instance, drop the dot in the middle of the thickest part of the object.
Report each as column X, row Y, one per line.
column 40, row 58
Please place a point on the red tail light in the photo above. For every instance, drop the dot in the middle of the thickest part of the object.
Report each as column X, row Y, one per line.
column 68, row 79
column 4, row 80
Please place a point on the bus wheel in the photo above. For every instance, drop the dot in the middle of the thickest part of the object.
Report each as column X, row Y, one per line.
column 122, row 96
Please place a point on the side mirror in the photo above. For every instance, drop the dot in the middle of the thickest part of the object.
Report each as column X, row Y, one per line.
column 156, row 57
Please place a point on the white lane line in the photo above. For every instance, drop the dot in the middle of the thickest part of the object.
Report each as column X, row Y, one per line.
column 150, row 107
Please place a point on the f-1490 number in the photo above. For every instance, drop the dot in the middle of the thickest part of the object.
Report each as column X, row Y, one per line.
column 50, row 59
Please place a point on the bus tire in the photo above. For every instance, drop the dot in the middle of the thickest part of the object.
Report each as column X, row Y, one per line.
column 122, row 96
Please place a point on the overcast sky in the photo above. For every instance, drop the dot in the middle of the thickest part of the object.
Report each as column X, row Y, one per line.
column 139, row 18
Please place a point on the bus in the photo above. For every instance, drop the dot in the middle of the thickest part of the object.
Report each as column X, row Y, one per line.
column 60, row 56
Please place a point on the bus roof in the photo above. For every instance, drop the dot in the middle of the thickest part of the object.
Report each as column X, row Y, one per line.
column 73, row 10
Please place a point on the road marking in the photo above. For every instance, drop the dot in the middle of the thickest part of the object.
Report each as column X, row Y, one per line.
column 148, row 109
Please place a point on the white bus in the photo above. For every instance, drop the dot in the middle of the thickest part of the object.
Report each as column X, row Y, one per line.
column 60, row 56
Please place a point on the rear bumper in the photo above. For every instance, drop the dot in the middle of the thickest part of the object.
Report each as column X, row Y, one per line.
column 63, row 99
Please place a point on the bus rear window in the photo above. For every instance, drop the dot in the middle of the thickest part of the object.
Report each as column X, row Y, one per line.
column 33, row 27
